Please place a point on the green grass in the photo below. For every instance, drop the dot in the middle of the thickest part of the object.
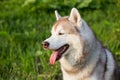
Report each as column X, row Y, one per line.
column 22, row 32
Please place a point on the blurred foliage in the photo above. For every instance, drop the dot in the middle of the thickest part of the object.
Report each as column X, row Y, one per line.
column 59, row 4
column 24, row 24
column 63, row 4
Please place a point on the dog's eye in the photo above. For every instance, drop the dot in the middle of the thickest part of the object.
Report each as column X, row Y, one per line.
column 60, row 33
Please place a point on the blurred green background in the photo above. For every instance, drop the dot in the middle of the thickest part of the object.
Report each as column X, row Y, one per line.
column 24, row 24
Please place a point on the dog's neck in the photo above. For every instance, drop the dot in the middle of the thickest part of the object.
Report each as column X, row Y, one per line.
column 66, row 66
column 89, row 63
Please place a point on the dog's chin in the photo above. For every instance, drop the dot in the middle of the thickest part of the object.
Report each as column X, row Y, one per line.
column 58, row 53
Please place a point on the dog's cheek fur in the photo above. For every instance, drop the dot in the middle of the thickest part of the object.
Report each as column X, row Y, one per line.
column 80, row 56
column 77, row 46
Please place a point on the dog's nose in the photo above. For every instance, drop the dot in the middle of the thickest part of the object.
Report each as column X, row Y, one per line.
column 45, row 44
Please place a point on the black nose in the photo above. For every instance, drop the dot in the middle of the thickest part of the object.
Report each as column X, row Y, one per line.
column 45, row 44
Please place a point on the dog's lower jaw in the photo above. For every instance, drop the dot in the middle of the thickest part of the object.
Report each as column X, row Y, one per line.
column 69, row 62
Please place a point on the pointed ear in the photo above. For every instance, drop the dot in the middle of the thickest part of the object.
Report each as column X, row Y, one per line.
column 57, row 15
column 75, row 16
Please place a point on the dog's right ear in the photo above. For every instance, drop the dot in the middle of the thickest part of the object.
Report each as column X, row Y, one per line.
column 57, row 15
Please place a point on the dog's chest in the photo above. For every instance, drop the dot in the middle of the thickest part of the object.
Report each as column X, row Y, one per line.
column 78, row 77
column 77, row 74
column 74, row 77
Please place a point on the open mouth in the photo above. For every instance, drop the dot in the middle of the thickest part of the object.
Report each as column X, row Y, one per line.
column 57, row 54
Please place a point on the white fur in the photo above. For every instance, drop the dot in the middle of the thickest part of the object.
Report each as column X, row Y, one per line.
column 86, row 58
column 57, row 15
column 110, row 66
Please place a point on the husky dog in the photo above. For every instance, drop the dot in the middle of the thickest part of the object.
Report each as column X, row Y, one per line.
column 81, row 55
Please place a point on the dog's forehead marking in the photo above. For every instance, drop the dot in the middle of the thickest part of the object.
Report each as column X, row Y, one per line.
column 64, row 24
column 63, row 20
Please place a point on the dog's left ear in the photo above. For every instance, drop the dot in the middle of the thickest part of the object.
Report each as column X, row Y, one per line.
column 75, row 16
column 57, row 15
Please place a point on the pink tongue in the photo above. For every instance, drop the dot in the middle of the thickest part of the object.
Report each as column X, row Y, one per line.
column 53, row 57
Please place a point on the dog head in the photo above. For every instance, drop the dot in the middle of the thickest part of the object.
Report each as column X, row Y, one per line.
column 66, row 39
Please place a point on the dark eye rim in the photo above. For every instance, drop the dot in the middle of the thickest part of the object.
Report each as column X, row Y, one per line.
column 60, row 33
